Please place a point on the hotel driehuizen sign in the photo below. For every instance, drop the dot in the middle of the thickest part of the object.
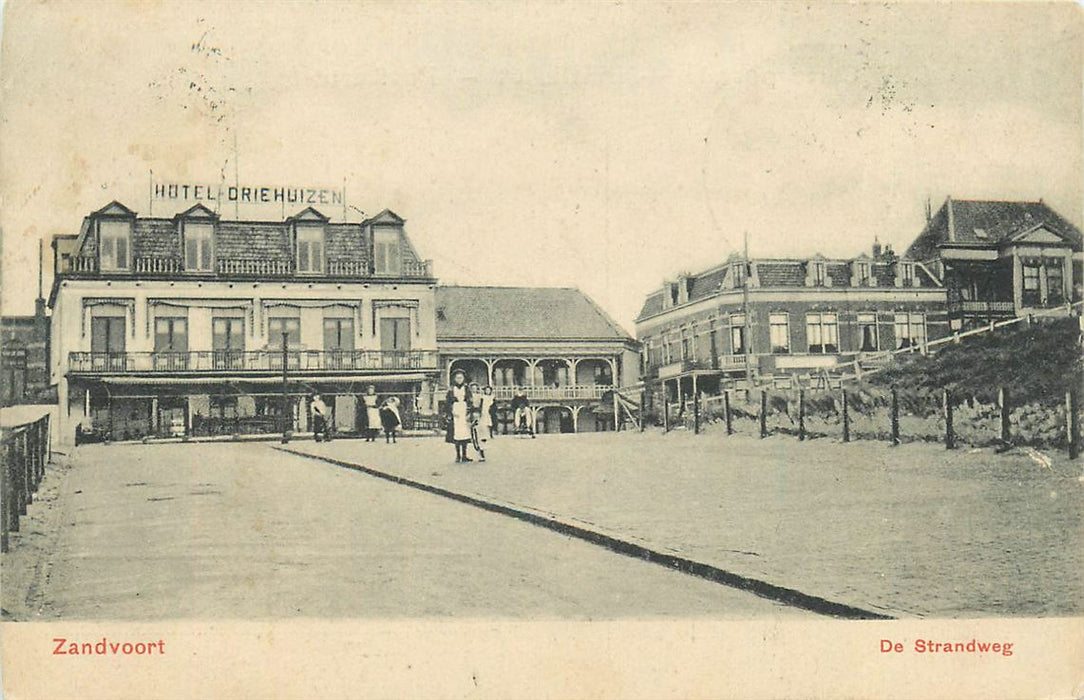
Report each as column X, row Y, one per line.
column 261, row 194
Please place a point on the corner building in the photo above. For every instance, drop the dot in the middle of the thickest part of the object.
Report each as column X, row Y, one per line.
column 176, row 325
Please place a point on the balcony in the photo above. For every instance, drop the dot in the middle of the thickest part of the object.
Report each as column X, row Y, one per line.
column 983, row 309
column 252, row 361
column 257, row 268
column 589, row 392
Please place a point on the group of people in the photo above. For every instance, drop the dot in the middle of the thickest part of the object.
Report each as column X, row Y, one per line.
column 471, row 414
column 379, row 415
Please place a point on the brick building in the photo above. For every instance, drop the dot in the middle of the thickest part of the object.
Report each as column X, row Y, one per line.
column 787, row 317
column 24, row 346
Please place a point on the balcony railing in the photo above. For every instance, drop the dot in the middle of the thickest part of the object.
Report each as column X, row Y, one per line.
column 255, row 267
column 158, row 266
column 572, row 391
column 252, row 361
column 983, row 308
column 359, row 268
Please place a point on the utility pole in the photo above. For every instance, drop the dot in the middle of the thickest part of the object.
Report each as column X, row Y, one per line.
column 285, row 393
column 746, row 328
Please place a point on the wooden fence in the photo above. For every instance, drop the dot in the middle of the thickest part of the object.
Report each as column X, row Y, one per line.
column 885, row 414
column 25, row 454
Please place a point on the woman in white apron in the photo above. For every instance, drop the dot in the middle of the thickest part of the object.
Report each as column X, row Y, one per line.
column 457, row 410
column 372, row 414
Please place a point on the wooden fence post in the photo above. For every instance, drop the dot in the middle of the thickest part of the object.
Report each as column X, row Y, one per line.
column 801, row 414
column 5, row 497
column 763, row 413
column 895, row 416
column 846, row 419
column 726, row 413
column 1003, row 403
column 1072, row 427
column 950, row 433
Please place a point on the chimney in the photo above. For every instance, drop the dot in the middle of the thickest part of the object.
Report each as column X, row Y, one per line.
column 951, row 220
column 876, row 248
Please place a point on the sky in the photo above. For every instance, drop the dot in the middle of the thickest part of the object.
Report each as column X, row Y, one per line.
column 607, row 146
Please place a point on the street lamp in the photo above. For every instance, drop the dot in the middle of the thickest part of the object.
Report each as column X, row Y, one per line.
column 285, row 394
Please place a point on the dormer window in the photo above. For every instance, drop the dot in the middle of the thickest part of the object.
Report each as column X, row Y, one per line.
column 310, row 248
column 817, row 273
column 198, row 239
column 737, row 275
column 113, row 244
column 907, row 273
column 387, row 258
column 862, row 273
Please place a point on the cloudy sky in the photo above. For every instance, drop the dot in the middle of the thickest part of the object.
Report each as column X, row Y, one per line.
column 605, row 146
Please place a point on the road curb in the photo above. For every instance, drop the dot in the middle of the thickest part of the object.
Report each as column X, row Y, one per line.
column 763, row 589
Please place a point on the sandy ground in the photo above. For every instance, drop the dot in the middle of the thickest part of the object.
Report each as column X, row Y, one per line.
column 241, row 531
column 914, row 531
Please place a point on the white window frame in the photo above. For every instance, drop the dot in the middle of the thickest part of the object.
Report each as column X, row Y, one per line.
column 773, row 327
column 867, row 318
column 737, row 321
column 819, row 273
column 864, row 272
column 310, row 238
column 914, row 324
column 907, row 273
column 387, row 258
column 202, row 233
column 822, row 325
column 108, row 245
column 737, row 274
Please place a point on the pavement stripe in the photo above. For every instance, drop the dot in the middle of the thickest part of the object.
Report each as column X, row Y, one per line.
column 779, row 594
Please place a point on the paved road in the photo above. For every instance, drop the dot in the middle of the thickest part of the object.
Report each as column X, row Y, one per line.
column 147, row 532
column 912, row 531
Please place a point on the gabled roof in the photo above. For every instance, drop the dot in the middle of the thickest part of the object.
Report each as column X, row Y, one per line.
column 991, row 223
column 115, row 208
column 308, row 214
column 386, row 217
column 521, row 313
column 197, row 211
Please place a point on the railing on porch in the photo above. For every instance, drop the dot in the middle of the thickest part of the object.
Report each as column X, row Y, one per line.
column 572, row 391
column 982, row 308
column 251, row 361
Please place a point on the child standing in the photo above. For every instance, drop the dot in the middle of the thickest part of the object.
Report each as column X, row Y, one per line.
column 389, row 418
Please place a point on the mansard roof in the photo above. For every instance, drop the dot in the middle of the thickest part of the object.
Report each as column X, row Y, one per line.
column 775, row 273
column 160, row 237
